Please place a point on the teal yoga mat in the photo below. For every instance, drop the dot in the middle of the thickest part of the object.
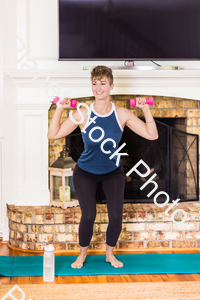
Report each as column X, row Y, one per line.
column 96, row 265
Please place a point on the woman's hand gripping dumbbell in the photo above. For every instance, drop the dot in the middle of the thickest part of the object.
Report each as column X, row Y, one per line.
column 64, row 103
column 141, row 100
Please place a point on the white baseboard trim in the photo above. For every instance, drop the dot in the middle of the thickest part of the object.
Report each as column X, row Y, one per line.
column 5, row 234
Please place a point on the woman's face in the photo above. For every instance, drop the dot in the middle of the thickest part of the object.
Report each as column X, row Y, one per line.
column 101, row 88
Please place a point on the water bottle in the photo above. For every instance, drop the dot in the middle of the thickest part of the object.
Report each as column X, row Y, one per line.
column 48, row 263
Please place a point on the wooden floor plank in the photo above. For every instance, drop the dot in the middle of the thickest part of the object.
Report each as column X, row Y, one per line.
column 165, row 278
column 24, row 280
column 141, row 278
column 155, row 278
column 113, row 278
column 14, row 280
column 125, row 278
column 196, row 277
column 101, row 278
column 93, row 279
column 132, row 278
column 4, row 280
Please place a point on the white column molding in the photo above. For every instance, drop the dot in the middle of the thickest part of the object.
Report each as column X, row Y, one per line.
column 32, row 155
column 4, row 230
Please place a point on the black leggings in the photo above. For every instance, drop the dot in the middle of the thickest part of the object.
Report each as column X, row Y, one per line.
column 85, row 185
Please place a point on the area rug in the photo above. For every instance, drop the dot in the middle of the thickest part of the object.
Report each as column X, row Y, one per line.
column 182, row 290
column 181, row 263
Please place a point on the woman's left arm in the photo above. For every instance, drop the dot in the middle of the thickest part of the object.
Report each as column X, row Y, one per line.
column 145, row 129
column 150, row 123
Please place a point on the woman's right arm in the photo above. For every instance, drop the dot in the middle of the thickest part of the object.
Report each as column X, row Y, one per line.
column 59, row 130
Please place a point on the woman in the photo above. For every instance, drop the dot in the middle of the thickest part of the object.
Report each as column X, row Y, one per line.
column 95, row 164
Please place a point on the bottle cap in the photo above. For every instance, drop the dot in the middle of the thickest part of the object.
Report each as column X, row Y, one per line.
column 49, row 247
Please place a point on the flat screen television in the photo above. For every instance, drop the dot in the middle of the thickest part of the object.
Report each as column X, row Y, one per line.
column 129, row 29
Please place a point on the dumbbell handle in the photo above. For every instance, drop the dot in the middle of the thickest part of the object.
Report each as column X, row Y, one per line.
column 57, row 101
column 148, row 101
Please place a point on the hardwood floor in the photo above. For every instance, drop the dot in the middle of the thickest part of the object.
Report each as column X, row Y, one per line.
column 4, row 250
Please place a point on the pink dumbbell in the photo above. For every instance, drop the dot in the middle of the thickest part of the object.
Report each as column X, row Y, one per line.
column 148, row 101
column 57, row 101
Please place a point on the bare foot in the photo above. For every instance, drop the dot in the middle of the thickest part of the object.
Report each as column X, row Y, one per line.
column 114, row 262
column 79, row 262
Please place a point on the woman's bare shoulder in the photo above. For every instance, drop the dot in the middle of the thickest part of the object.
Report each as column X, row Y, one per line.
column 123, row 114
column 122, row 111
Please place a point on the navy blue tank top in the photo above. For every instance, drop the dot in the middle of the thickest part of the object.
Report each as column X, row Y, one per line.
column 93, row 159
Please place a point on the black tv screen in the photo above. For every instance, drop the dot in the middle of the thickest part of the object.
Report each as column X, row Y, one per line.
column 129, row 29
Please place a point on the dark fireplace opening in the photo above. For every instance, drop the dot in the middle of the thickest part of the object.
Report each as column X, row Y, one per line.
column 173, row 157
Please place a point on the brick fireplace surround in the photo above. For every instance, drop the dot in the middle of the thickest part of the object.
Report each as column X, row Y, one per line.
column 145, row 226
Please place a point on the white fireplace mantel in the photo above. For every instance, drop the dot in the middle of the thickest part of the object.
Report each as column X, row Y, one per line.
column 26, row 107
column 171, row 83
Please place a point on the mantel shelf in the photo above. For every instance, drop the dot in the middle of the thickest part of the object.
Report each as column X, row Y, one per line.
column 77, row 73
column 169, row 83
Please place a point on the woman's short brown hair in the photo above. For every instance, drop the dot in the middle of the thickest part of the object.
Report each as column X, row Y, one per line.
column 102, row 71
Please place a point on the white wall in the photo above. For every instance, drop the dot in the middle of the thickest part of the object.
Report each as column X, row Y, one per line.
column 33, row 26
